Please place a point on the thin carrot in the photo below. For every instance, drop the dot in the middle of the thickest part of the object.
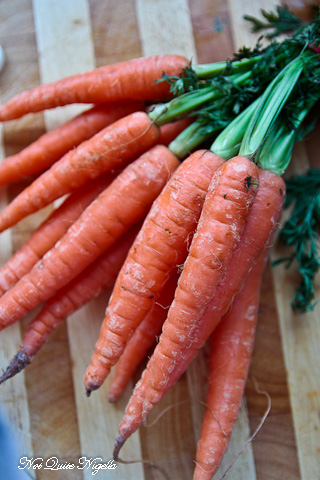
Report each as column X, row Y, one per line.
column 111, row 148
column 50, row 231
column 260, row 226
column 97, row 277
column 170, row 131
column 231, row 347
column 130, row 80
column 161, row 245
column 125, row 202
column 50, row 147
column 141, row 341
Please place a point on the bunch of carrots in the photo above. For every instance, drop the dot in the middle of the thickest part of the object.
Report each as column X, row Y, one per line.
column 179, row 226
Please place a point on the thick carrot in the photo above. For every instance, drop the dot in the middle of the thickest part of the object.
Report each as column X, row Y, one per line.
column 260, row 226
column 111, row 148
column 99, row 276
column 231, row 347
column 50, row 231
column 160, row 246
column 141, row 341
column 130, row 80
column 125, row 202
column 50, row 147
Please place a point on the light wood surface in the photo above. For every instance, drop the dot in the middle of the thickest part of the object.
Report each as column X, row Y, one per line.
column 49, row 39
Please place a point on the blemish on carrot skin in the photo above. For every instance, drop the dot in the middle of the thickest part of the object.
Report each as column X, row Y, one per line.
column 123, row 287
column 281, row 191
column 247, row 182
column 151, row 296
column 225, row 195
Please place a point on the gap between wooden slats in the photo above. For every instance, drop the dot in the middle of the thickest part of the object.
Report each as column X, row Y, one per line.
column 161, row 33
column 66, row 48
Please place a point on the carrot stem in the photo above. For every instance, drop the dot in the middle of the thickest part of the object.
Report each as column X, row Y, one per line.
column 170, row 111
column 209, row 70
column 269, row 107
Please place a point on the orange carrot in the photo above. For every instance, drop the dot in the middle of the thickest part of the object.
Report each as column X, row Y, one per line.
column 160, row 246
column 170, row 131
column 259, row 228
column 231, row 347
column 50, row 231
column 141, row 341
column 51, row 146
column 111, row 148
column 125, row 202
column 130, row 80
column 99, row 276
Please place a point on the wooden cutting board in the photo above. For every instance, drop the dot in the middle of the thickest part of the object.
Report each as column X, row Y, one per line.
column 49, row 39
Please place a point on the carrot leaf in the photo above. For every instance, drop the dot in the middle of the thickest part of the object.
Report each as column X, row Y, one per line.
column 278, row 22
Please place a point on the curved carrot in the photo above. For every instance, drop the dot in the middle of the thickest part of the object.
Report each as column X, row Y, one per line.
column 50, row 231
column 130, row 80
column 111, row 148
column 125, row 202
column 231, row 347
column 50, row 147
column 141, row 341
column 161, row 244
column 99, row 276
column 260, row 226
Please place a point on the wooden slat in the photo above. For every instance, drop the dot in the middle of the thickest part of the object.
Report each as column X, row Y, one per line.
column 61, row 39
column 18, row 411
column 300, row 339
column 161, row 33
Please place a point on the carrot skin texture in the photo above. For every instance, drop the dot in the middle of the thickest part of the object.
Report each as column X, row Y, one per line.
column 50, row 231
column 160, row 246
column 50, row 147
column 130, row 80
column 111, row 148
column 97, row 277
column 258, row 232
column 226, row 208
column 125, row 202
column 231, row 347
column 141, row 341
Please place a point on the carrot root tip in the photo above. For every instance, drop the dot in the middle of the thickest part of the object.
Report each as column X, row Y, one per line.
column 88, row 392
column 112, row 398
column 18, row 363
column 117, row 447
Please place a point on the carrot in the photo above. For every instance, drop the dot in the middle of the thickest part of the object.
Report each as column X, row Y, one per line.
column 50, row 231
column 231, row 347
column 160, row 246
column 259, row 228
column 111, row 148
column 125, row 202
column 50, row 147
column 141, row 341
column 130, row 80
column 97, row 277
column 170, row 131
